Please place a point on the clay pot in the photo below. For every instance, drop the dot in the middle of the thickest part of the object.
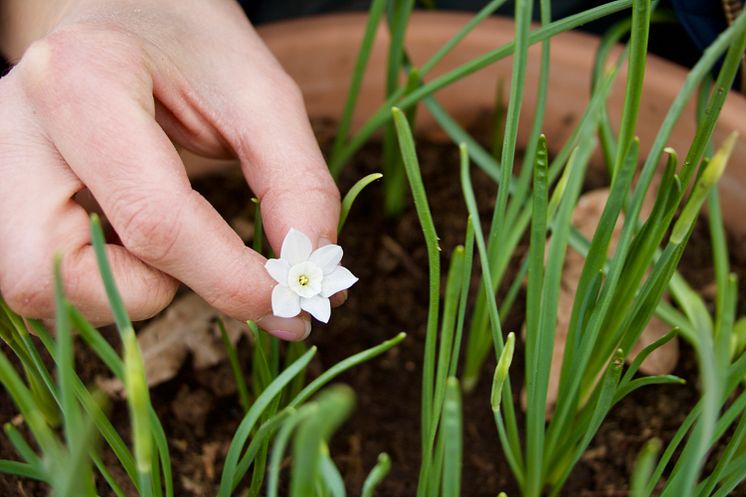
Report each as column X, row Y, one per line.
column 319, row 53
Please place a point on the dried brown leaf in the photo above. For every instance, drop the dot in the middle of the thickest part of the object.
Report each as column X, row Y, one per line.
column 186, row 329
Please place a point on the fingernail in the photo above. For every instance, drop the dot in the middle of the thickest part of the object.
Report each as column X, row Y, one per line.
column 307, row 323
column 324, row 241
column 285, row 328
column 290, row 336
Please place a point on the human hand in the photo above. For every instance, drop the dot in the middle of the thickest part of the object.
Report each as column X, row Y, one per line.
column 99, row 100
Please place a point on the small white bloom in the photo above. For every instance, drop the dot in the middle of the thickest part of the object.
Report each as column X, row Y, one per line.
column 306, row 278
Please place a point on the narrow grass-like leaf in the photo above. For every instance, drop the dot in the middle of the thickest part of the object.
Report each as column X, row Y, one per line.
column 293, row 351
column 535, row 414
column 541, row 34
column 261, row 438
column 508, row 434
column 280, row 444
column 412, row 168
column 138, row 401
column 672, row 447
column 22, row 469
column 724, row 82
column 334, row 405
column 98, row 343
column 161, row 445
column 89, row 404
column 522, row 15
column 64, row 360
column 595, row 260
column 41, row 383
column 261, row 375
column 343, row 366
column 600, row 410
column 498, row 120
column 518, row 216
column 121, row 319
column 452, row 436
column 22, row 447
column 635, row 73
column 524, row 180
column 249, row 420
column 377, row 8
column 644, row 467
column 576, row 359
column 706, row 181
column 724, row 459
column 395, row 184
column 73, row 478
column 634, row 366
column 484, row 13
column 547, row 312
column 257, row 242
column 330, row 475
column 376, row 475
column 430, row 461
column 23, row 399
column 106, row 474
column 352, row 194
column 501, row 372
column 143, row 415
column 398, row 14
column 465, row 283
column 631, row 386
column 230, row 350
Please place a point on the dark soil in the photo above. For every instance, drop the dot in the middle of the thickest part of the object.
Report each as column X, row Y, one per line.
column 200, row 410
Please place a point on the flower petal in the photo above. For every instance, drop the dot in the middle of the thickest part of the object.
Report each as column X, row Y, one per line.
column 336, row 281
column 318, row 307
column 278, row 270
column 296, row 247
column 285, row 302
column 327, row 257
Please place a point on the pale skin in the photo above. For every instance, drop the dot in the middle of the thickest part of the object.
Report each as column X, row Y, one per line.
column 102, row 94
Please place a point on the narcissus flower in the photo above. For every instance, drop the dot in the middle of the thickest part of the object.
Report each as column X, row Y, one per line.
column 306, row 278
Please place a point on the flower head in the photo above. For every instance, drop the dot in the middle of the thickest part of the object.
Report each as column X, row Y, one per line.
column 306, row 278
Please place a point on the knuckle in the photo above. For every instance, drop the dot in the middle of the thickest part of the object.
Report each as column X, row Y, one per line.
column 290, row 90
column 239, row 298
column 279, row 89
column 77, row 60
column 36, row 66
column 29, row 294
column 318, row 186
column 158, row 291
column 327, row 188
column 148, row 225
column 50, row 61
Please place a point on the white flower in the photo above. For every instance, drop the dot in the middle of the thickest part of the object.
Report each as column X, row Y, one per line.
column 305, row 278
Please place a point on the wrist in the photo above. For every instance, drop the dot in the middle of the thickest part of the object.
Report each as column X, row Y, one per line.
column 24, row 21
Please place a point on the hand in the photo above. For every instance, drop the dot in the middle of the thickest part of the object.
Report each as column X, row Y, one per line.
column 99, row 101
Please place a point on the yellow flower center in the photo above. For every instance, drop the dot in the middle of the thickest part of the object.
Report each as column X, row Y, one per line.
column 303, row 280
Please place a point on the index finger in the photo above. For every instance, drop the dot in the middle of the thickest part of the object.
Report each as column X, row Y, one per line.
column 133, row 170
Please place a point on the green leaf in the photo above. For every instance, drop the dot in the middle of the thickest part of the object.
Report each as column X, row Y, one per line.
column 376, row 475
column 334, row 405
column 452, row 436
column 230, row 350
column 644, row 467
column 249, row 420
column 352, row 194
